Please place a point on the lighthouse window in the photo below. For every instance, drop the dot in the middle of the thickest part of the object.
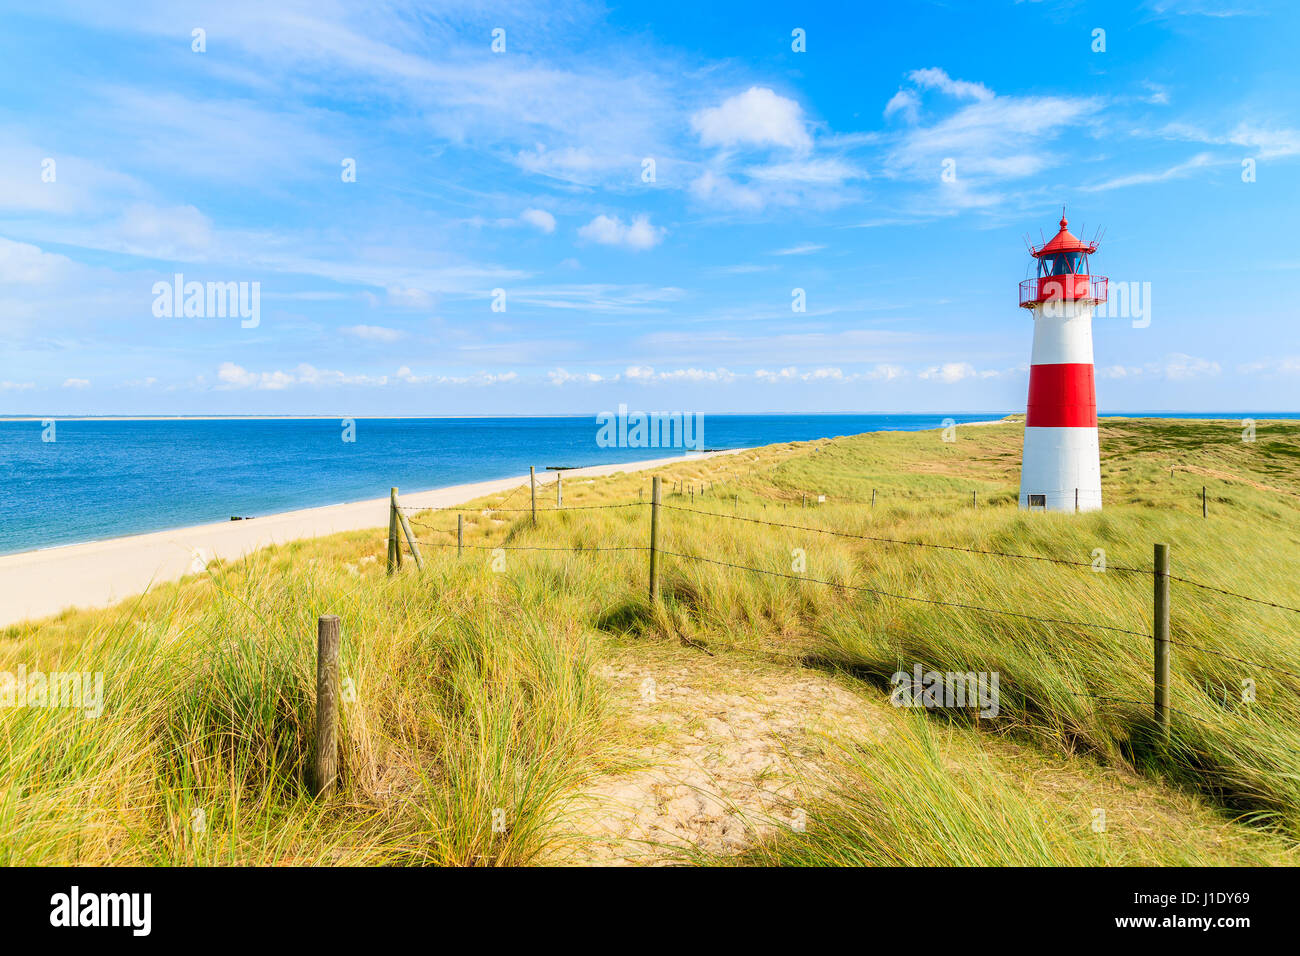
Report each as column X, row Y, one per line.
column 1062, row 264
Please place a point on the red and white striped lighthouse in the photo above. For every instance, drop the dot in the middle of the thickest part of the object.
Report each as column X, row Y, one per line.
column 1061, row 469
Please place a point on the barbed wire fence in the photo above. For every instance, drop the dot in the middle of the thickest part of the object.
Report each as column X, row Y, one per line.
column 401, row 521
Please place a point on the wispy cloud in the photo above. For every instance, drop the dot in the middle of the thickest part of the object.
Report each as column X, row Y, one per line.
column 612, row 231
column 803, row 249
column 373, row 333
column 1178, row 170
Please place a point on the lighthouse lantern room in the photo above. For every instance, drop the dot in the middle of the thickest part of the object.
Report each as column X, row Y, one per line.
column 1061, row 469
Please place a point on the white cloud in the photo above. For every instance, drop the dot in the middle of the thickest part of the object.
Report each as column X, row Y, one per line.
column 885, row 372
column 645, row 375
column 177, row 232
column 404, row 374
column 1157, row 95
column 905, row 102
column 696, row 375
column 1182, row 366
column 757, row 117
column 539, row 218
column 408, row 298
column 1119, row 371
column 1199, row 161
column 1003, row 137
column 24, row 262
column 949, row 372
column 16, row 386
column 479, row 378
column 1268, row 142
column 1271, row 143
column 1286, row 365
column 933, row 78
column 711, row 186
column 76, row 383
column 611, row 231
column 373, row 333
column 232, row 376
column 1177, row 366
column 812, row 171
column 560, row 376
column 828, row 373
column 987, row 140
column 802, row 249
column 600, row 297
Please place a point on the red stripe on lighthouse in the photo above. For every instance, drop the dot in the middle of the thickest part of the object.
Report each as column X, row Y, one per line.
column 1061, row 396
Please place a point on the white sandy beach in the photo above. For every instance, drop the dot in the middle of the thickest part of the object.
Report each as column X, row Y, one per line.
column 35, row 584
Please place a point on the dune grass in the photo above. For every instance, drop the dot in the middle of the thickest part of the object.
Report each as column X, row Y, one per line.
column 475, row 711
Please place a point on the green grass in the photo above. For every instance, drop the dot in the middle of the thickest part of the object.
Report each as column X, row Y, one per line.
column 476, row 697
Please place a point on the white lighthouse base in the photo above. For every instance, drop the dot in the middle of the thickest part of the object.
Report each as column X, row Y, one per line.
column 1063, row 466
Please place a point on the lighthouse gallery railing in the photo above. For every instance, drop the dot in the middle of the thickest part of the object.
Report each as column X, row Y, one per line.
column 1074, row 287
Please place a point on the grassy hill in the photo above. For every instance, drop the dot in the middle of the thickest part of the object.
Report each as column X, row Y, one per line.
column 531, row 705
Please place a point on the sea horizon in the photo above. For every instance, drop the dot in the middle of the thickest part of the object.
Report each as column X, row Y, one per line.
column 108, row 477
column 1107, row 413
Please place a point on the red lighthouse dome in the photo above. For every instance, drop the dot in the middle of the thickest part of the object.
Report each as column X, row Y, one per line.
column 1063, row 271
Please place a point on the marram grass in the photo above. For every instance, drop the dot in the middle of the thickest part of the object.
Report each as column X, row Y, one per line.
column 475, row 711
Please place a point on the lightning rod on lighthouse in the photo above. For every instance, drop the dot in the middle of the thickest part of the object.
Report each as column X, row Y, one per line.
column 1061, row 467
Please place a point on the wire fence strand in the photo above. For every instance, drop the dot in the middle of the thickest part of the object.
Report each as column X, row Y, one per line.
column 1233, row 594
column 416, row 509
column 854, row 587
column 903, row 541
column 905, row 597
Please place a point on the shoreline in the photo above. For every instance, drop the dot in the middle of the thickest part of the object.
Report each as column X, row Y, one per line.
column 39, row 583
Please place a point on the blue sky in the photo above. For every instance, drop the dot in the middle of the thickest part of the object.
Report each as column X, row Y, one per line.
column 526, row 171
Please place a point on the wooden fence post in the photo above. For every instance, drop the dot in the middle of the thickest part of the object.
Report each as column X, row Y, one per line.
column 654, row 540
column 329, row 635
column 973, row 502
column 1205, row 509
column 410, row 537
column 394, row 551
column 873, row 497
column 460, row 535
column 559, row 489
column 1076, row 500
column 1161, row 634
column 532, row 484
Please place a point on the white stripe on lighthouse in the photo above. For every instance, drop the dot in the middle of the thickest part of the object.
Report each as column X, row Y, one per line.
column 1062, row 463
column 1059, row 462
column 1062, row 333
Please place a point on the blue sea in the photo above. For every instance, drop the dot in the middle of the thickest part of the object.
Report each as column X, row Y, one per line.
column 106, row 478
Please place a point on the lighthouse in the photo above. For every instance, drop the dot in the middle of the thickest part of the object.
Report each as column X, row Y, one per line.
column 1061, row 469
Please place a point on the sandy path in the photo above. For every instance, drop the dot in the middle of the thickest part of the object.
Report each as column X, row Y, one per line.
column 725, row 752
column 35, row 584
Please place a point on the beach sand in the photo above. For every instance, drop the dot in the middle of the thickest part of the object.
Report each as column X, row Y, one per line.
column 35, row 584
